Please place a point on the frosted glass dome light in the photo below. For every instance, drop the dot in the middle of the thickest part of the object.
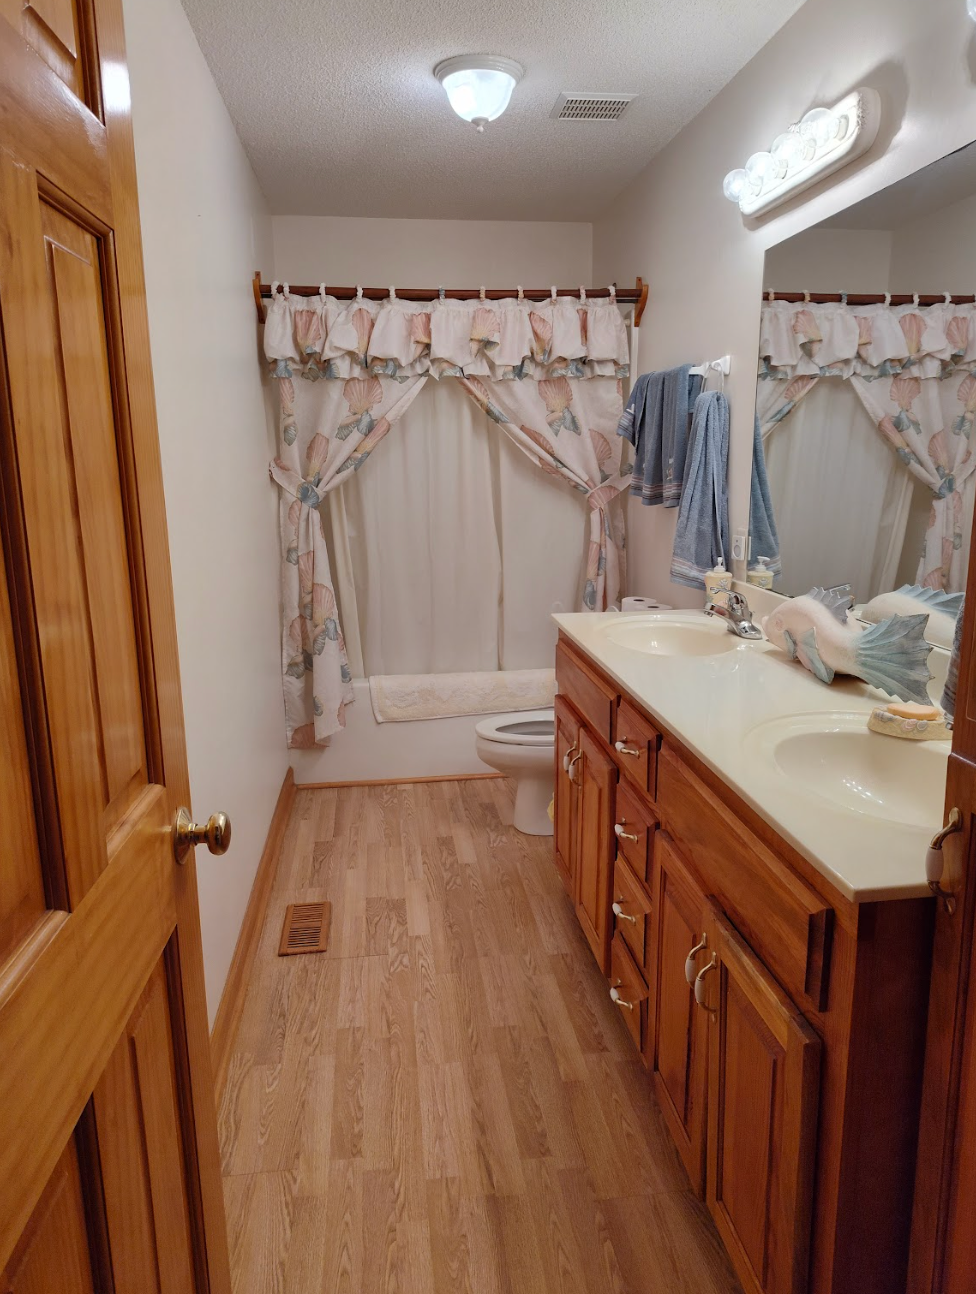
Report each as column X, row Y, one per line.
column 820, row 125
column 762, row 167
column 479, row 86
column 735, row 184
column 790, row 148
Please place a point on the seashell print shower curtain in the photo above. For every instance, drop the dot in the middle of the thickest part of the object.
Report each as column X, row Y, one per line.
column 914, row 370
column 550, row 376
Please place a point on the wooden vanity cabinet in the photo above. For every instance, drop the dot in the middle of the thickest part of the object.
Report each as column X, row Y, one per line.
column 597, row 777
column 763, row 1097
column 676, row 1050
column 792, row 1088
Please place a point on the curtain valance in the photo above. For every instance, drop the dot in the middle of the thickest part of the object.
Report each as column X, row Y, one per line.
column 838, row 340
column 321, row 337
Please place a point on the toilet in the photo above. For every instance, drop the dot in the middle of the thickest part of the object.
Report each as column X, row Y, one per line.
column 521, row 746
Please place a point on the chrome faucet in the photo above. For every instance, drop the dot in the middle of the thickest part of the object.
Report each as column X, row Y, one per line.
column 737, row 616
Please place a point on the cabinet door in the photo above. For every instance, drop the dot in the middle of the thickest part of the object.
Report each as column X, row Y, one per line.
column 677, row 1037
column 763, row 1094
column 597, row 777
column 565, row 809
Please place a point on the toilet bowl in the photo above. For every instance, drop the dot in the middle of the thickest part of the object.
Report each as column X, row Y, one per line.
column 521, row 746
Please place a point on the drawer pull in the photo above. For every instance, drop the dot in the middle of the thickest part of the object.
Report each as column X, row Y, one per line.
column 624, row 835
column 617, row 1000
column 619, row 912
column 700, row 985
column 934, row 862
column 625, row 749
column 567, row 758
column 571, row 766
column 690, row 959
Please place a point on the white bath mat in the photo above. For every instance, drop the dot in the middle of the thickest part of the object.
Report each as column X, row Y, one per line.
column 398, row 698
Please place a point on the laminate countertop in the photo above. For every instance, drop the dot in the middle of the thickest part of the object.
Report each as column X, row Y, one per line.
column 861, row 807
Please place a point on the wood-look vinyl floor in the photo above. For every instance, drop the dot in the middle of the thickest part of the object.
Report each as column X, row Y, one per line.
column 446, row 1100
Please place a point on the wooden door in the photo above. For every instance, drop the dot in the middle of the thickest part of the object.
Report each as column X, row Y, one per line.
column 677, row 1037
column 943, row 1248
column 109, row 1173
column 597, row 777
column 763, row 1098
column 566, row 796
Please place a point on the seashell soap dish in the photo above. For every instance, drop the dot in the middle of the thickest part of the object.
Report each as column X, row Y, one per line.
column 911, row 721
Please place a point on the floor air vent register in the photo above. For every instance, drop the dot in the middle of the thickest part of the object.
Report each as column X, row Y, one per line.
column 306, row 929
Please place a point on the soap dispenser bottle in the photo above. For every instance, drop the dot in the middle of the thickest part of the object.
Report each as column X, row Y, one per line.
column 761, row 576
column 718, row 584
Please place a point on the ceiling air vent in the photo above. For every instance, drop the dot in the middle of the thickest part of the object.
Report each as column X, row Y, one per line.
column 590, row 107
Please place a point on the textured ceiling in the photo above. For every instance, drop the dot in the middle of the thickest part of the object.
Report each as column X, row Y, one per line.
column 340, row 114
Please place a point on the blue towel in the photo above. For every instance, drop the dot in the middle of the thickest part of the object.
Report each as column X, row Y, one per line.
column 952, row 677
column 762, row 522
column 655, row 422
column 702, row 533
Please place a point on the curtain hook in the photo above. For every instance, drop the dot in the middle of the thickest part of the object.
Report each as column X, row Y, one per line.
column 771, row 296
column 887, row 299
column 359, row 293
column 322, row 291
column 481, row 292
column 613, row 292
column 806, row 298
column 948, row 298
column 521, row 294
column 843, row 298
column 552, row 291
column 442, row 294
column 393, row 295
column 915, row 300
column 582, row 295
column 274, row 288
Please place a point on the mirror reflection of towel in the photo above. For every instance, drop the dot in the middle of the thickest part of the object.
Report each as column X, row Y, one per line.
column 656, row 422
column 702, row 533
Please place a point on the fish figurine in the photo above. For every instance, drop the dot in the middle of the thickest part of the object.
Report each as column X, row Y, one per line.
column 815, row 630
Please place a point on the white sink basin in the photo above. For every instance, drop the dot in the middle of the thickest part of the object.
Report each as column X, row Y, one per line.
column 674, row 635
column 833, row 757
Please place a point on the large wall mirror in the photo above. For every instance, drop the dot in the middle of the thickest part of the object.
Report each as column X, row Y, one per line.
column 866, row 407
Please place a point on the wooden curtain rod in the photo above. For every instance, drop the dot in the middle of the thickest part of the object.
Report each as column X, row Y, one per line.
column 637, row 295
column 872, row 298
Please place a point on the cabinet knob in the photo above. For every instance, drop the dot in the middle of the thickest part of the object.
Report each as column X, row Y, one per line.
column 624, row 835
column 617, row 1000
column 690, row 959
column 625, row 749
column 619, row 913
column 935, row 861
column 700, row 985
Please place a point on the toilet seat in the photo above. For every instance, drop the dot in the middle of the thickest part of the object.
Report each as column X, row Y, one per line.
column 522, row 728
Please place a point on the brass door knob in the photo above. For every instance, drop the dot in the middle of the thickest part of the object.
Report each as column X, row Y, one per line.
column 215, row 834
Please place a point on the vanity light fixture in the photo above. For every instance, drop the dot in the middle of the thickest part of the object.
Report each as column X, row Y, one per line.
column 821, row 142
column 479, row 86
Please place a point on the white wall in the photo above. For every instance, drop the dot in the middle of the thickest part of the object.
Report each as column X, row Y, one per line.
column 705, row 265
column 205, row 227
column 937, row 253
column 830, row 260
column 431, row 253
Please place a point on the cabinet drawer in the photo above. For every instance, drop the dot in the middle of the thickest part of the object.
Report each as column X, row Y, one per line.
column 592, row 697
column 637, row 742
column 633, row 919
column 633, row 818
column 628, row 989
column 787, row 923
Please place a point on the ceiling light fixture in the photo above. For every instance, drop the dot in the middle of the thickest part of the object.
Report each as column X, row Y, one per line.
column 479, row 86
column 821, row 142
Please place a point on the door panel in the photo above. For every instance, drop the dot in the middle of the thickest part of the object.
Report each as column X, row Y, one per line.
column 763, row 1099
column 597, row 776
column 53, row 1253
column 677, row 1039
column 109, row 1174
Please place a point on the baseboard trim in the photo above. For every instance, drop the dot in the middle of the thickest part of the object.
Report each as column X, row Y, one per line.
column 398, row 781
column 231, row 1006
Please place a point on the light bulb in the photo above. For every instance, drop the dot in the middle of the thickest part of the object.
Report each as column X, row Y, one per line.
column 819, row 125
column 790, row 148
column 735, row 184
column 763, row 167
